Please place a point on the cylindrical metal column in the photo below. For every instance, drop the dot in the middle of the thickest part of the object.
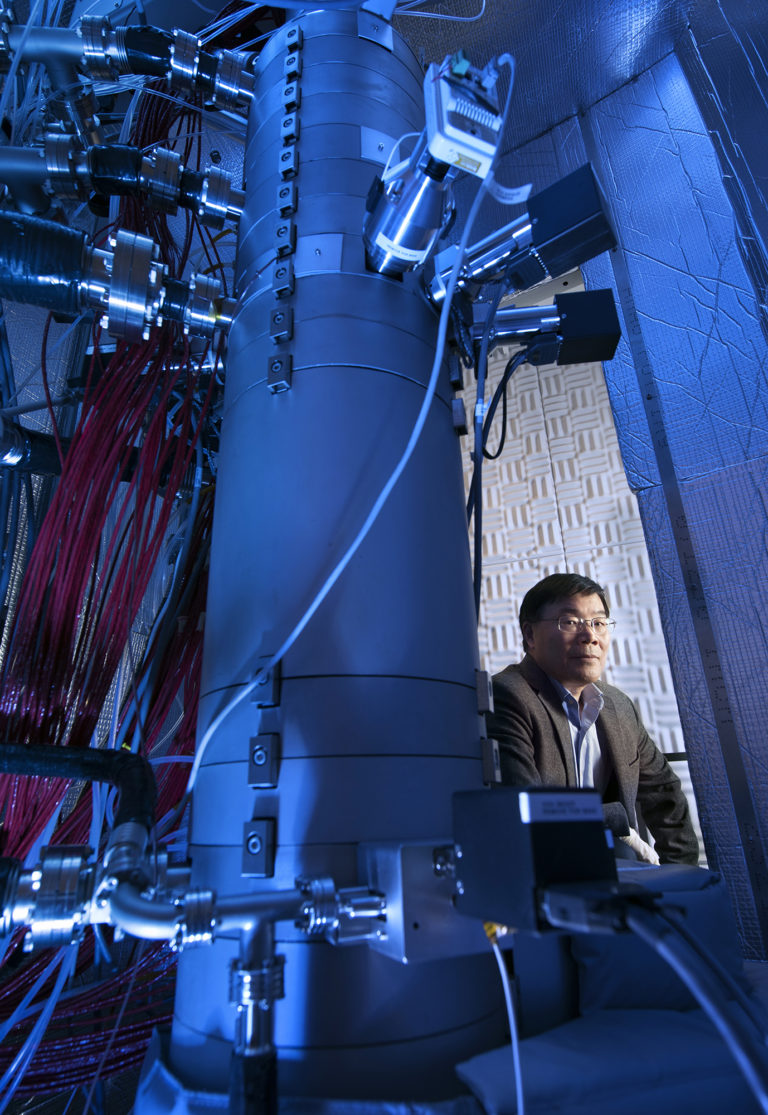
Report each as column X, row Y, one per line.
column 374, row 722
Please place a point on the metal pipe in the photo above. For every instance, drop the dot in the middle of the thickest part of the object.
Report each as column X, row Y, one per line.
column 256, row 982
column 513, row 321
column 23, row 166
column 162, row 921
column 246, row 911
column 41, row 262
column 42, row 44
column 131, row 774
column 143, row 917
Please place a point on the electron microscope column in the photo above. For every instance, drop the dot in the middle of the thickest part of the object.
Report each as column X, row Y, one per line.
column 371, row 722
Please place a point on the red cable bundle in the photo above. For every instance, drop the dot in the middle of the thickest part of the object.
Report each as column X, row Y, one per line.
column 89, row 578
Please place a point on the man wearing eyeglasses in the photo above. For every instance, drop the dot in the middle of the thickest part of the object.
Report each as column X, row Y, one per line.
column 558, row 725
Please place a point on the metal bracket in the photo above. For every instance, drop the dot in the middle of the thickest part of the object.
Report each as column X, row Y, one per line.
column 288, row 162
column 283, row 278
column 292, row 66
column 294, row 38
column 279, row 373
column 289, row 129
column 491, row 761
column 281, row 324
column 287, row 199
column 285, row 238
column 291, row 96
column 459, row 413
column 484, row 687
column 267, row 692
column 375, row 26
column 375, row 146
column 263, row 760
column 259, row 848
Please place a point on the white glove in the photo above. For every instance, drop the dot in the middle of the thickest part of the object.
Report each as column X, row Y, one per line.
column 642, row 850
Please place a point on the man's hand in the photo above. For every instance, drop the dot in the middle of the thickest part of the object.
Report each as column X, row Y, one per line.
column 642, row 850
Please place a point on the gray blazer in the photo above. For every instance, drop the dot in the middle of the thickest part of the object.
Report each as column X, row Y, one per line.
column 535, row 748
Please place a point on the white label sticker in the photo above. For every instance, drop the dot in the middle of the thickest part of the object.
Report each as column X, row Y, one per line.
column 564, row 806
column 507, row 195
column 398, row 251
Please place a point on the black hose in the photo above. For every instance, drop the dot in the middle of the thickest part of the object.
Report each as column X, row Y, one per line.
column 175, row 300
column 129, row 773
column 39, row 452
column 41, row 262
column 253, row 1083
column 191, row 188
column 501, row 393
column 207, row 66
column 148, row 50
column 115, row 169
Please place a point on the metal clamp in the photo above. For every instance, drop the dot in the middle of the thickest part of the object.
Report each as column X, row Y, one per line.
column 232, row 82
column 197, row 927
column 213, row 206
column 125, row 849
column 134, row 296
column 60, row 156
column 57, row 897
column 347, row 916
column 95, row 34
column 185, row 60
column 161, row 177
column 320, row 911
column 259, row 986
column 200, row 318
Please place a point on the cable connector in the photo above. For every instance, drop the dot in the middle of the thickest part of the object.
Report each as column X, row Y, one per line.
column 347, row 916
column 593, row 907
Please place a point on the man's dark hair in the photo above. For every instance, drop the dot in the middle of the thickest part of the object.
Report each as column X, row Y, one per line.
column 557, row 587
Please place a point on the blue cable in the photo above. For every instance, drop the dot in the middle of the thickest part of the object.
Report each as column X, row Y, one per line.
column 14, row 1073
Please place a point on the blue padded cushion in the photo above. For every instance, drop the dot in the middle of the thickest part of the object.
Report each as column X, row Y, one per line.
column 617, row 1062
column 622, row 971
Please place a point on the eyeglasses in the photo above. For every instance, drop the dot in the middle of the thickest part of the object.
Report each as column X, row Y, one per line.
column 572, row 625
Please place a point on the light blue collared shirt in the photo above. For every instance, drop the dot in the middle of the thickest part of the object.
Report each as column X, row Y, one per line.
column 592, row 767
